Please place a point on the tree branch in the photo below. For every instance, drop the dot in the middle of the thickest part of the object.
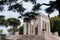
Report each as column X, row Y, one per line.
column 45, row 4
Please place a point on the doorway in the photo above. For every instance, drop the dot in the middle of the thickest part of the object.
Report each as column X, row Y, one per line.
column 36, row 30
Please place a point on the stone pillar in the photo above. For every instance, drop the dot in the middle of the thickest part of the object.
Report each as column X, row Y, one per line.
column 32, row 23
column 49, row 28
column 40, row 26
column 24, row 30
column 34, row 30
column 29, row 29
column 34, row 27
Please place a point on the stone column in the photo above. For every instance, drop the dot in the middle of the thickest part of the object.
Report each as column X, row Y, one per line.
column 29, row 29
column 34, row 30
column 49, row 28
column 24, row 30
column 40, row 26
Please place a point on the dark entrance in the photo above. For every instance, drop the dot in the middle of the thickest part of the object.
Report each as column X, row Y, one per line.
column 36, row 30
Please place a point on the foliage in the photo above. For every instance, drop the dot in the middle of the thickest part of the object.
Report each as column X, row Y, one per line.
column 12, row 30
column 55, row 24
column 13, row 22
column 3, row 2
column 1, row 31
column 3, row 21
column 54, row 5
column 49, row 10
column 21, row 30
column 29, row 16
column 33, row 1
column 36, row 7
column 10, row 22
column 17, row 7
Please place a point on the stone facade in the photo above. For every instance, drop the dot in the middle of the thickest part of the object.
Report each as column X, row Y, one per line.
column 38, row 26
column 38, row 29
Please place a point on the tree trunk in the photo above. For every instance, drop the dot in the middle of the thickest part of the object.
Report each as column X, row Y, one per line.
column 14, row 29
column 49, row 16
column 59, row 13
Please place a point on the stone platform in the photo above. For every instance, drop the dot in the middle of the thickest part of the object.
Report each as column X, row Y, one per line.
column 32, row 37
column 25, row 37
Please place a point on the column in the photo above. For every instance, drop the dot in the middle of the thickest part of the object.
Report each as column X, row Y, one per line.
column 40, row 26
column 24, row 30
column 34, row 27
column 49, row 28
column 29, row 29
column 34, row 30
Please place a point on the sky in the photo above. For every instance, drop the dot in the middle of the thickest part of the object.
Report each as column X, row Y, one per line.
column 28, row 6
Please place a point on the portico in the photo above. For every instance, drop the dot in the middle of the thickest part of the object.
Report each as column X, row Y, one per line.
column 38, row 26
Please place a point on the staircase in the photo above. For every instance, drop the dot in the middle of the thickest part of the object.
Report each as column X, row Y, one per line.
column 31, row 37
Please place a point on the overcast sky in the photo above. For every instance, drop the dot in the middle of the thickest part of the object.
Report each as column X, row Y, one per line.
column 28, row 6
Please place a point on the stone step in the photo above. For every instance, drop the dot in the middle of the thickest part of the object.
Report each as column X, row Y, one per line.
column 31, row 37
column 28, row 37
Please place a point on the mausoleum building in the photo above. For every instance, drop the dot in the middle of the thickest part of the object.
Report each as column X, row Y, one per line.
column 36, row 29
column 37, row 26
